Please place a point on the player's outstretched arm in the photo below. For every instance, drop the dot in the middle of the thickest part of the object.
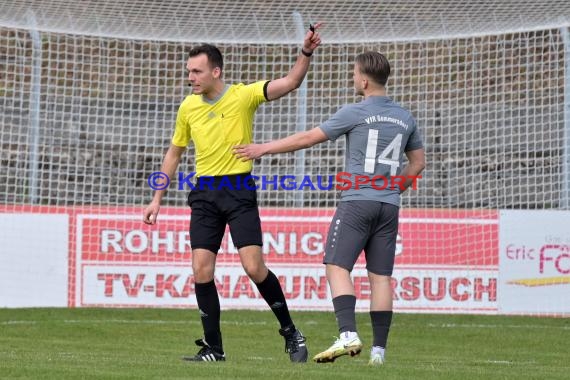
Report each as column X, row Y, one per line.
column 301, row 140
column 169, row 165
column 282, row 86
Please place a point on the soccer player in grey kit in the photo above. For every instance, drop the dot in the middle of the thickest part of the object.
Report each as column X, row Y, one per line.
column 378, row 133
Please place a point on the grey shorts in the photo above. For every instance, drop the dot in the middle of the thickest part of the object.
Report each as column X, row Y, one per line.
column 363, row 225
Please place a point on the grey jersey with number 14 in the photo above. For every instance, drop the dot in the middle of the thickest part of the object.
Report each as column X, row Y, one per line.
column 378, row 133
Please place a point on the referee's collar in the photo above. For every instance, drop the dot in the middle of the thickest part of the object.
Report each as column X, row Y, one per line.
column 206, row 100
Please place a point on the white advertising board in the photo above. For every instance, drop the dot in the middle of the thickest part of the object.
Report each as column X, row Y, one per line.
column 34, row 260
column 534, row 262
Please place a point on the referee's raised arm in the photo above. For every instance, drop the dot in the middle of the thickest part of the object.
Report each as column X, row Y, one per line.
column 282, row 86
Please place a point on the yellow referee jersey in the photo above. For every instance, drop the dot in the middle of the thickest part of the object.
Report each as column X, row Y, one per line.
column 216, row 126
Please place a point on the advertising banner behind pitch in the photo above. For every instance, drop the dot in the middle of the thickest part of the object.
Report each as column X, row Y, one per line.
column 534, row 262
column 446, row 261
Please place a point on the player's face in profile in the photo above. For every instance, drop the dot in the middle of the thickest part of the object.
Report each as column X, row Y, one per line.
column 200, row 75
column 358, row 80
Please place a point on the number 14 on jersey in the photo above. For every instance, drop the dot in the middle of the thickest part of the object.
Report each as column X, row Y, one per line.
column 389, row 156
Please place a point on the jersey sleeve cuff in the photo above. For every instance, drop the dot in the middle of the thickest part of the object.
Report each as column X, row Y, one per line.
column 265, row 90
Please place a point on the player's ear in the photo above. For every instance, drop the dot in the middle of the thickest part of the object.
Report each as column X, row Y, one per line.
column 217, row 72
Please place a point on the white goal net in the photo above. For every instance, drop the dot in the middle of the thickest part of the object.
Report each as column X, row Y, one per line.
column 90, row 92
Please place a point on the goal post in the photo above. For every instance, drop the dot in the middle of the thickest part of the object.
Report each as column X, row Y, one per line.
column 90, row 92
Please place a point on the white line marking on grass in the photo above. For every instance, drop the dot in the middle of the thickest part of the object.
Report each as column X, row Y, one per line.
column 259, row 358
column 136, row 322
column 509, row 362
column 240, row 323
column 162, row 322
column 17, row 322
column 128, row 321
column 484, row 326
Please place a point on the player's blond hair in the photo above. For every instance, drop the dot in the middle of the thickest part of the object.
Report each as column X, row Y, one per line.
column 374, row 65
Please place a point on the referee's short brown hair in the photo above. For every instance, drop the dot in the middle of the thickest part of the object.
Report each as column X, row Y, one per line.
column 214, row 55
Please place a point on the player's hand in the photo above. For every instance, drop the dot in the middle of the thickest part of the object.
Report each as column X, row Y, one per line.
column 312, row 38
column 150, row 213
column 249, row 151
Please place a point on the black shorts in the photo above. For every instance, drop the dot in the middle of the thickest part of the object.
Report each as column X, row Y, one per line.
column 363, row 225
column 215, row 206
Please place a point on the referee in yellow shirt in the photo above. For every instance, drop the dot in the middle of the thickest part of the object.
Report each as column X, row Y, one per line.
column 216, row 117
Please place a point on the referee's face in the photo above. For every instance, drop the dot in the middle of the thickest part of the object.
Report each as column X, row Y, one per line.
column 201, row 76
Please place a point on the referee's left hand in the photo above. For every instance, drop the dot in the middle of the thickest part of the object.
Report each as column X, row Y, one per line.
column 249, row 151
column 312, row 38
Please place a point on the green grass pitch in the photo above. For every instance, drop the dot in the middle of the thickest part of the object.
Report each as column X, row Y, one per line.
column 148, row 344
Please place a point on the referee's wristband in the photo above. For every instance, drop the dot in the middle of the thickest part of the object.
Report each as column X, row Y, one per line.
column 306, row 53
